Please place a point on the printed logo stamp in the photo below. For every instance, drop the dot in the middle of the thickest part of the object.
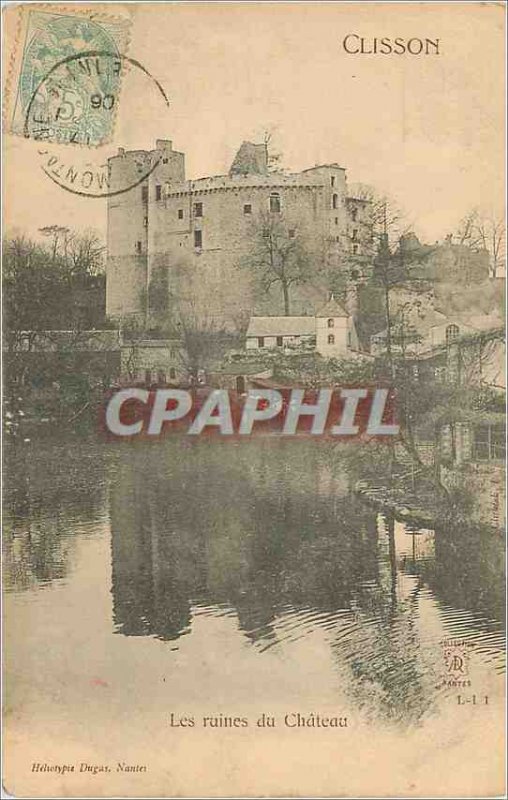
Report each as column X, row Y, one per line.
column 456, row 658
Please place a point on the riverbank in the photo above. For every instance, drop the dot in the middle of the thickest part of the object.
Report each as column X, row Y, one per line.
column 413, row 510
column 396, row 501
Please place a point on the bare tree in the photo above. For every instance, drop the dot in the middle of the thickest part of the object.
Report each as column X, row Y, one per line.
column 273, row 158
column 481, row 230
column 388, row 220
column 493, row 237
column 78, row 253
column 59, row 236
column 479, row 358
column 277, row 255
column 85, row 253
column 467, row 232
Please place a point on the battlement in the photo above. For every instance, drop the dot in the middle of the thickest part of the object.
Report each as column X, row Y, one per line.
column 195, row 233
column 224, row 183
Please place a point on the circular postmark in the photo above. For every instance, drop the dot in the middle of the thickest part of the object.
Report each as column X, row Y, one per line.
column 72, row 113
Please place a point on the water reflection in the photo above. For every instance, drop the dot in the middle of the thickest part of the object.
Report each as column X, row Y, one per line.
column 52, row 493
column 256, row 533
column 270, row 535
column 238, row 528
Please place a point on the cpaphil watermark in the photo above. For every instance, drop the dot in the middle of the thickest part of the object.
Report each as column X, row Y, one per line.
column 362, row 412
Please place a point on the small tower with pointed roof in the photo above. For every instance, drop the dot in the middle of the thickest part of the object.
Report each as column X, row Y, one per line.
column 335, row 330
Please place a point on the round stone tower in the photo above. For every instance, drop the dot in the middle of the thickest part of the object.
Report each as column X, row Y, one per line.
column 127, row 272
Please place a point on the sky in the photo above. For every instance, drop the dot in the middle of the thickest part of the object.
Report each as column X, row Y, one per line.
column 427, row 130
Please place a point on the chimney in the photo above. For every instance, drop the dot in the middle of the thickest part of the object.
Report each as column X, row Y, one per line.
column 164, row 144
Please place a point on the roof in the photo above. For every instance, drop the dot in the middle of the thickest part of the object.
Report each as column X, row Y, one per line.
column 424, row 323
column 281, row 326
column 332, row 309
column 333, row 165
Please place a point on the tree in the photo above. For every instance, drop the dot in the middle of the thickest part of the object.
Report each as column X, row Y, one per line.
column 277, row 255
column 201, row 334
column 41, row 292
column 467, row 233
column 492, row 234
column 273, row 158
column 389, row 221
column 32, row 288
column 85, row 253
column 59, row 237
column 484, row 230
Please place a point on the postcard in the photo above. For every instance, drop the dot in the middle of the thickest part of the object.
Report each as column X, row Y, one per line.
column 254, row 398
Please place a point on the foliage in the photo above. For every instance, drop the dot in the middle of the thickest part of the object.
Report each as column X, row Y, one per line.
column 49, row 286
column 40, row 283
column 203, row 337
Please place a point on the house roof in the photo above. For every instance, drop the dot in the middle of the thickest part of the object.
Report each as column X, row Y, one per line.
column 332, row 309
column 333, row 165
column 281, row 326
column 423, row 324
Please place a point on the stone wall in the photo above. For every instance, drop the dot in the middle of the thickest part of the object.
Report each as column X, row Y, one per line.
column 484, row 485
column 201, row 232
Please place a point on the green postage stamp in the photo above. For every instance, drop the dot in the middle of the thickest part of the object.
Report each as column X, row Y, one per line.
column 65, row 77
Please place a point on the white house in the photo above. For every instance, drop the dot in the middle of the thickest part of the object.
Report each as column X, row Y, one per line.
column 331, row 332
column 420, row 331
column 335, row 331
column 268, row 332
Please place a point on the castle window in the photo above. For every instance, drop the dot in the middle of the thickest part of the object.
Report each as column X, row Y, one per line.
column 332, row 180
column 280, row 341
column 261, row 341
column 164, row 160
column 144, row 194
column 247, row 209
column 349, row 338
column 355, row 234
column 335, row 200
column 161, row 377
column 172, row 374
column 355, row 249
column 138, row 247
column 354, row 214
column 336, row 220
column 145, row 222
column 452, row 332
column 331, row 339
column 331, row 323
column 198, row 209
column 292, row 233
column 158, row 191
column 198, row 239
column 180, row 213
column 275, row 203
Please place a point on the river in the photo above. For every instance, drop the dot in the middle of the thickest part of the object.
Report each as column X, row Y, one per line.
column 193, row 578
